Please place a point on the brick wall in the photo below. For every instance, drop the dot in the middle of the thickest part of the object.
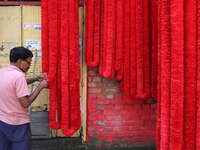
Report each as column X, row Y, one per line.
column 113, row 123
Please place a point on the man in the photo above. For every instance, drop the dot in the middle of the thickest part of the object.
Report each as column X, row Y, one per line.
column 15, row 133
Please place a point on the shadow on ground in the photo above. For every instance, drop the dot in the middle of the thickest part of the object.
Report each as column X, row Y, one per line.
column 72, row 144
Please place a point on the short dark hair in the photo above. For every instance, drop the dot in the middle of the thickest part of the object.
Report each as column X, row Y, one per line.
column 20, row 53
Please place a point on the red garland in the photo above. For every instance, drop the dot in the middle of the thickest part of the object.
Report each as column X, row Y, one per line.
column 177, row 75
column 198, row 79
column 101, row 57
column 133, row 65
column 127, row 84
column 119, row 34
column 158, row 122
column 110, row 37
column 154, row 41
column 92, row 33
column 190, row 75
column 139, row 46
column 72, row 105
column 54, row 124
column 146, row 52
column 45, row 52
column 164, row 76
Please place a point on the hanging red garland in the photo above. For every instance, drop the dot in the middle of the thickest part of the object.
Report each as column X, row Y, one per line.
column 119, row 34
column 53, row 61
column 154, row 43
column 45, row 52
column 110, row 37
column 127, row 84
column 133, row 54
column 164, row 76
column 72, row 105
column 190, row 75
column 92, row 33
column 198, row 79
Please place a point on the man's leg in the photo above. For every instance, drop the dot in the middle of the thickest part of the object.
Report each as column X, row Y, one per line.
column 22, row 139
column 5, row 143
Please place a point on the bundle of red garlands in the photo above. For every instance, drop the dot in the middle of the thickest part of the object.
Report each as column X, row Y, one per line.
column 117, row 39
column 61, row 61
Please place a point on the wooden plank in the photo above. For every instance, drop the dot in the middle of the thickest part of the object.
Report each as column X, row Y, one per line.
column 83, row 74
column 10, row 31
column 31, row 38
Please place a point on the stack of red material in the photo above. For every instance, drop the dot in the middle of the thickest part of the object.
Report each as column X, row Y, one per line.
column 118, row 40
column 60, row 60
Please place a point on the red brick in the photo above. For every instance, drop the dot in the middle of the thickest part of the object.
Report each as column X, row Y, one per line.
column 103, row 101
column 153, row 106
column 101, row 118
column 148, row 101
column 146, row 112
column 117, row 123
column 92, row 84
column 128, row 106
column 91, row 96
column 92, row 118
column 97, row 79
column 111, row 90
column 117, row 101
column 101, row 96
column 132, row 117
column 125, row 134
column 118, row 96
column 137, row 106
column 96, row 113
column 110, row 106
column 111, row 112
column 108, row 134
column 91, row 73
column 145, row 117
column 128, row 112
column 119, row 106
column 146, row 106
column 135, row 123
column 100, row 107
column 138, row 101
column 94, row 90
column 89, row 79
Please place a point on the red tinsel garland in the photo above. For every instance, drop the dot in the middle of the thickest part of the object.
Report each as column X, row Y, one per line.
column 45, row 52
column 177, row 75
column 158, row 94
column 190, row 75
column 133, row 54
column 165, row 73
column 110, row 37
column 154, row 46
column 63, row 73
column 139, row 46
column 127, row 83
column 119, row 34
column 198, row 79
column 52, row 9
column 92, row 33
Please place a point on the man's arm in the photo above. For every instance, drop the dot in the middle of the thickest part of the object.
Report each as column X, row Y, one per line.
column 38, row 78
column 27, row 100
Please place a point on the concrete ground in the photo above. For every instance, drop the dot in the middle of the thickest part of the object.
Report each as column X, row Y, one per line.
column 72, row 144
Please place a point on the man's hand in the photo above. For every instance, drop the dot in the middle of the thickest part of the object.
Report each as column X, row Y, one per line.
column 41, row 77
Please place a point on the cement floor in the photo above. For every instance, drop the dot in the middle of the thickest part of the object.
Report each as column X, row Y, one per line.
column 72, row 144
